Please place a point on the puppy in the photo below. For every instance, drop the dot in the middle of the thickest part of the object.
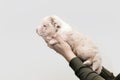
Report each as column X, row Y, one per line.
column 81, row 45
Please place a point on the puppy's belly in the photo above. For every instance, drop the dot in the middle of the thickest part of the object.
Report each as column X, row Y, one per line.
column 82, row 50
column 81, row 45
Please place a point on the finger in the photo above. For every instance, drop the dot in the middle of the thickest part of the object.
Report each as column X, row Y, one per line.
column 58, row 38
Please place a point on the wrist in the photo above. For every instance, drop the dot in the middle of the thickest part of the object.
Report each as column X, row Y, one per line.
column 69, row 55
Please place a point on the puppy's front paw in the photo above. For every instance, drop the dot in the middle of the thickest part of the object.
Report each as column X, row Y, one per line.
column 52, row 42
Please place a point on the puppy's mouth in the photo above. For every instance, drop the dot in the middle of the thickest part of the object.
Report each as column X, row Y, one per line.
column 41, row 33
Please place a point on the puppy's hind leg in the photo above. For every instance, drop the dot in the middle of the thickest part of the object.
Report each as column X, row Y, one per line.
column 97, row 65
column 99, row 69
column 88, row 62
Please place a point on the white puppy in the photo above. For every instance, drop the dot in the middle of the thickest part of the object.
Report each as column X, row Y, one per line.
column 81, row 45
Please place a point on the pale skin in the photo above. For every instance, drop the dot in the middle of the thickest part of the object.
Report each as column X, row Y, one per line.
column 81, row 45
column 62, row 48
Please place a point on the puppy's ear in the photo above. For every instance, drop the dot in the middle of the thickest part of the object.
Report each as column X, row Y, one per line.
column 52, row 20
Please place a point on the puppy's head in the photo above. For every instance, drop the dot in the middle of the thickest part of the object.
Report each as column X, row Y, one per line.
column 51, row 25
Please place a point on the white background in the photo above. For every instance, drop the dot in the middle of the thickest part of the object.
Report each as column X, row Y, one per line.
column 25, row 56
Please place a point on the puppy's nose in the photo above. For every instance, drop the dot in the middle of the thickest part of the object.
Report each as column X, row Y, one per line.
column 37, row 31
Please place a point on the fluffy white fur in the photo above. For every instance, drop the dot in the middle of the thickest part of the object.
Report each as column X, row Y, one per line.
column 81, row 45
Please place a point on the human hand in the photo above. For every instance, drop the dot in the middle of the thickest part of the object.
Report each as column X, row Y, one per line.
column 62, row 47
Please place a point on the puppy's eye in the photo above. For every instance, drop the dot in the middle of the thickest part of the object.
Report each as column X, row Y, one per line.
column 58, row 26
column 44, row 26
column 56, row 30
